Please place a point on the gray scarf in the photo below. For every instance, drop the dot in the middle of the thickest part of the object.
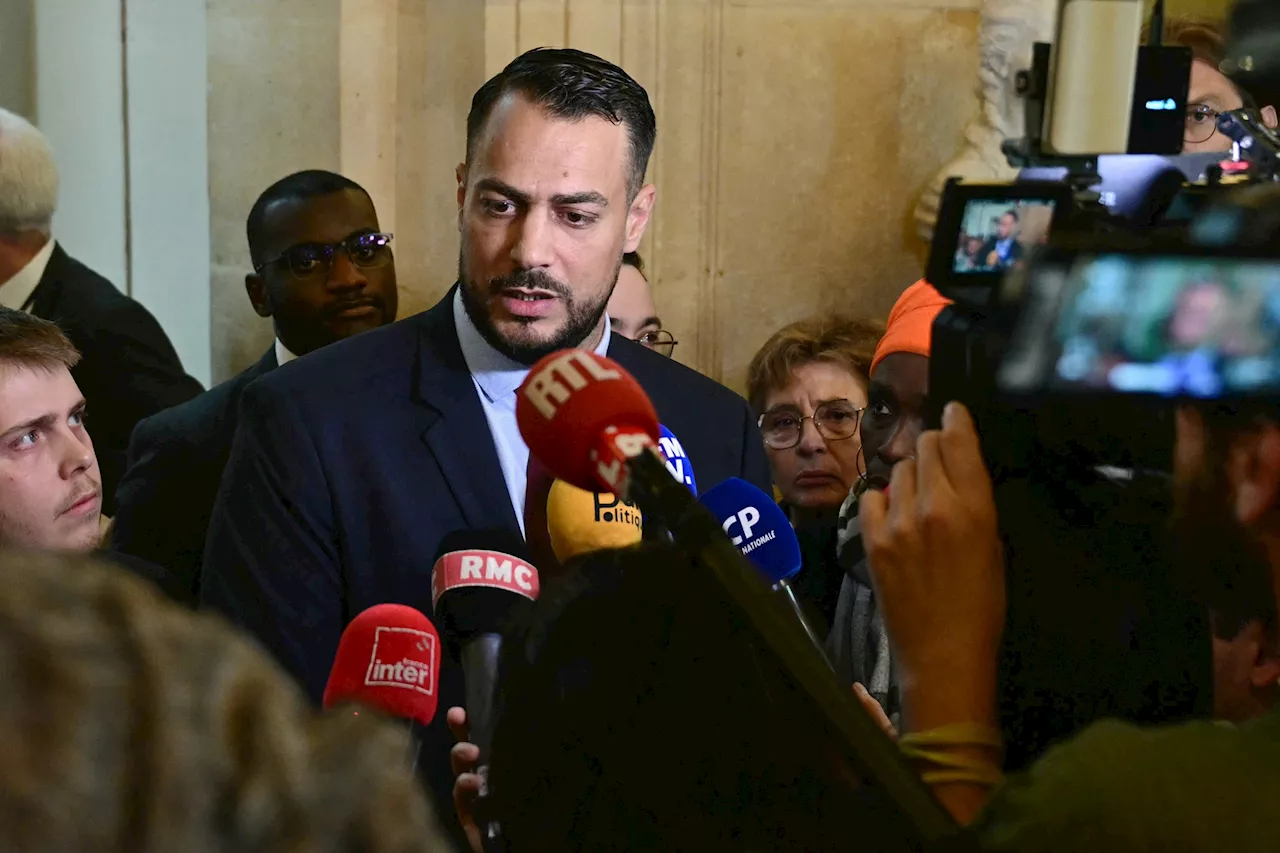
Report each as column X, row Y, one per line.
column 858, row 645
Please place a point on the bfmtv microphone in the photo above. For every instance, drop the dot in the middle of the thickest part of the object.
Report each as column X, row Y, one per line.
column 677, row 460
column 590, row 424
column 762, row 533
column 579, row 522
column 389, row 660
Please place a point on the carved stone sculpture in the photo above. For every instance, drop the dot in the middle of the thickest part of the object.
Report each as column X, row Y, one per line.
column 1006, row 32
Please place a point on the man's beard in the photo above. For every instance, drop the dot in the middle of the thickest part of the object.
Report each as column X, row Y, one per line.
column 582, row 317
column 1220, row 557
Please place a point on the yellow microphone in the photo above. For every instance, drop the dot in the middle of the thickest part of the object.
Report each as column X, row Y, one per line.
column 579, row 521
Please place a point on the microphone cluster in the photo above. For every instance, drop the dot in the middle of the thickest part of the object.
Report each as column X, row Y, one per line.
column 620, row 476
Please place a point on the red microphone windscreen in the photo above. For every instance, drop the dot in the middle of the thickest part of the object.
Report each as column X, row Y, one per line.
column 388, row 659
column 481, row 569
column 479, row 591
column 571, row 405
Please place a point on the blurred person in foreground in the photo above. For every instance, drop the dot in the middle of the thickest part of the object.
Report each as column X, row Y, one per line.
column 939, row 571
column 1246, row 647
column 1098, row 628
column 128, row 724
column 632, row 311
column 323, row 271
column 808, row 386
column 128, row 368
column 594, row 720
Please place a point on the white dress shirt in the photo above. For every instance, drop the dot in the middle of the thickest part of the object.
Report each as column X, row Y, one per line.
column 283, row 356
column 497, row 378
column 16, row 292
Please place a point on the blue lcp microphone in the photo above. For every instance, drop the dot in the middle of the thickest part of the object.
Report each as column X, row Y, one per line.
column 760, row 529
column 677, row 460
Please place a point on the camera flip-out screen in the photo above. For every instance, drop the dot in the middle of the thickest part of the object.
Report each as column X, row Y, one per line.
column 1162, row 326
column 987, row 230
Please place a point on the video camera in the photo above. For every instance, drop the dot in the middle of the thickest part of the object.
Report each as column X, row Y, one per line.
column 1070, row 318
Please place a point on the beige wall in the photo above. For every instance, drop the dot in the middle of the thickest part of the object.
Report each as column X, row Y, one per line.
column 17, row 56
column 793, row 138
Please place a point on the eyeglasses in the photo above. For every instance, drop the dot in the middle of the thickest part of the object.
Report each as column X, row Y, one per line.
column 835, row 421
column 309, row 261
column 658, row 340
column 1202, row 123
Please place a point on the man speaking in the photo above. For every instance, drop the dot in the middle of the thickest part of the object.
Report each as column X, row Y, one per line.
column 351, row 466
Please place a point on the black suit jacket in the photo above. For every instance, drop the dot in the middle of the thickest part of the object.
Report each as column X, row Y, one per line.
column 175, row 465
column 1016, row 251
column 350, row 467
column 128, row 369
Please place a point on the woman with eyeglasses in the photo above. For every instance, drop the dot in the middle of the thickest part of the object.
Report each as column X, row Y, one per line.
column 808, row 386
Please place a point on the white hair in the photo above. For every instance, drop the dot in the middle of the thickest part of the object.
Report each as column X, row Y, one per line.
column 28, row 177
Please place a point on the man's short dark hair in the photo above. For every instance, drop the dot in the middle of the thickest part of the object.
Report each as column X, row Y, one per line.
column 1013, row 211
column 299, row 186
column 570, row 84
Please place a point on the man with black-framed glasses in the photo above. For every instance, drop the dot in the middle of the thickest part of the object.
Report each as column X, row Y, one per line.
column 1211, row 91
column 323, row 271
column 632, row 311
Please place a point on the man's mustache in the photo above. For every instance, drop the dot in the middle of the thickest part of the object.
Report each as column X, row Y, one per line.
column 90, row 488
column 530, row 280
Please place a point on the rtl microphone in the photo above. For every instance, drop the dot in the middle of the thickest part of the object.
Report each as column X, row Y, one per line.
column 763, row 534
column 579, row 521
column 677, row 460
column 388, row 659
column 481, row 583
column 569, row 404
column 590, row 424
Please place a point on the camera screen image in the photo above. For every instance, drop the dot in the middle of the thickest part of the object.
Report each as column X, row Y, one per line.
column 997, row 235
column 1158, row 326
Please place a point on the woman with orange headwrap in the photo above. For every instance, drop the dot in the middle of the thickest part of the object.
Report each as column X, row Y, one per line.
column 858, row 645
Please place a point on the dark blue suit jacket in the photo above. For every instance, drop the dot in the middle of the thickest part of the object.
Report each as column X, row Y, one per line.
column 352, row 464
column 175, row 463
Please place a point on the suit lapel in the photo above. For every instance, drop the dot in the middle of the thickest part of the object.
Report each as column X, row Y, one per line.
column 43, row 302
column 266, row 364
column 455, row 428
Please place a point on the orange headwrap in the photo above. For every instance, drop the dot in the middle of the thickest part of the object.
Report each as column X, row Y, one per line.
column 910, row 326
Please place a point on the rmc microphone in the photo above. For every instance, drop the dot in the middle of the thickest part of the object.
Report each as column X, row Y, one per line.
column 579, row 522
column 760, row 529
column 388, row 659
column 481, row 583
column 590, row 423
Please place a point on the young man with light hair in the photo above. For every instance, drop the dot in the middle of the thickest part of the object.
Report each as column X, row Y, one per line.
column 50, row 483
column 128, row 368
column 50, row 486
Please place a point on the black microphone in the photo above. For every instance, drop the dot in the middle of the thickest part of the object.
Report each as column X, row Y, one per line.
column 480, row 583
